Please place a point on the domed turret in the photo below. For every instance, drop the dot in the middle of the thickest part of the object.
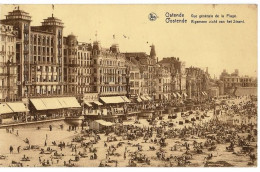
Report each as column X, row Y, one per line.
column 18, row 14
column 52, row 21
column 115, row 48
column 72, row 40
column 97, row 45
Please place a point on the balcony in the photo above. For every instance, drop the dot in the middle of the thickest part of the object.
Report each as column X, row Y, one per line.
column 73, row 65
column 26, row 51
column 3, row 74
column 27, row 82
column 3, row 87
column 2, row 64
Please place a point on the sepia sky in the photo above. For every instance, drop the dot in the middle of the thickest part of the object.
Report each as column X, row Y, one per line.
column 216, row 46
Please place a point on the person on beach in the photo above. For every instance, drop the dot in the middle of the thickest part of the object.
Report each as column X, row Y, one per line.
column 50, row 126
column 17, row 134
column 18, row 149
column 11, row 149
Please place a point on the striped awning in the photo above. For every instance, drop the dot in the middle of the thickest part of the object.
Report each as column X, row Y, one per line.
column 125, row 99
column 112, row 99
column 17, row 107
column 185, row 95
column 144, row 98
column 178, row 95
column 55, row 103
column 139, row 99
column 148, row 98
column 4, row 108
column 87, row 103
column 98, row 103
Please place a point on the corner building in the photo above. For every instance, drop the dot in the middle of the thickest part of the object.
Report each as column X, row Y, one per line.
column 38, row 54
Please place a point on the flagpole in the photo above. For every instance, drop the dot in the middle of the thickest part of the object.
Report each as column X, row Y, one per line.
column 52, row 10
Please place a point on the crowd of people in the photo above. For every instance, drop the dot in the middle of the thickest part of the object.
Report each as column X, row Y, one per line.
column 156, row 144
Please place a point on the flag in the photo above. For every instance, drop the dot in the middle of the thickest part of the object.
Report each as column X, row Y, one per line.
column 52, row 6
column 147, row 42
column 114, row 36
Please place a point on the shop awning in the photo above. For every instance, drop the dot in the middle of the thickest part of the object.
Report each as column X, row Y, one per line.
column 87, row 103
column 4, row 108
column 51, row 103
column 174, row 94
column 166, row 96
column 104, row 123
column 185, row 95
column 98, row 103
column 125, row 99
column 63, row 102
column 178, row 94
column 73, row 102
column 38, row 104
column 149, row 98
column 144, row 98
column 139, row 99
column 128, row 123
column 55, row 103
column 203, row 93
column 17, row 107
column 111, row 100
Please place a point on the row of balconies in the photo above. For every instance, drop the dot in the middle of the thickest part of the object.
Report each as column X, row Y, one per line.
column 43, row 43
column 47, row 73
column 45, row 83
column 10, row 53
column 43, row 53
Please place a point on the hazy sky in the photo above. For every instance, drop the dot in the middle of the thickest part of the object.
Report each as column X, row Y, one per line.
column 216, row 46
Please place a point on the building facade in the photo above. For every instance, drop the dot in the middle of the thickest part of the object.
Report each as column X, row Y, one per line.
column 178, row 75
column 135, row 79
column 233, row 81
column 38, row 54
column 8, row 66
column 78, row 68
column 147, row 68
column 109, row 70
column 197, row 84
column 163, row 83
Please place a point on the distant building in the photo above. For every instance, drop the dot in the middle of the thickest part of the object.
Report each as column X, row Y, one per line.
column 197, row 84
column 109, row 70
column 233, row 81
column 135, row 78
column 178, row 75
column 8, row 66
column 163, row 83
column 147, row 68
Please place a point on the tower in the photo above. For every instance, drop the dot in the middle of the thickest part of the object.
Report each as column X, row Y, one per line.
column 55, row 25
column 152, row 52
